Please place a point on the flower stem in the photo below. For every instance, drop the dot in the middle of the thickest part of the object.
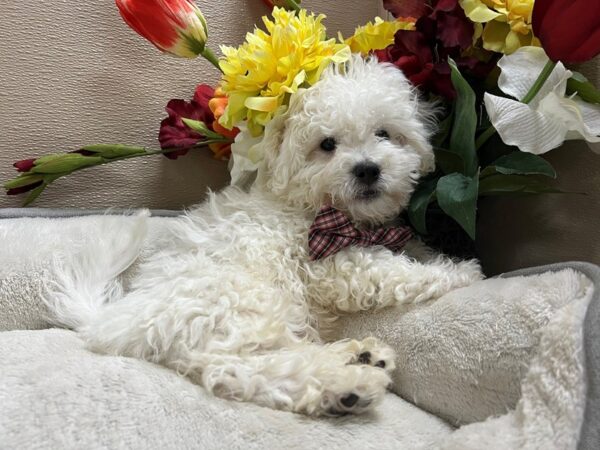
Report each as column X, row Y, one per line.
column 535, row 88
column 291, row 4
column 541, row 79
column 483, row 137
column 211, row 57
column 156, row 152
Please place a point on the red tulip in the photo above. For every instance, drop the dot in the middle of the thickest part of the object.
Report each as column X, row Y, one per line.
column 569, row 30
column 173, row 26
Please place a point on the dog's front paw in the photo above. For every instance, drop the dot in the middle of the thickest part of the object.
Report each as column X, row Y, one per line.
column 438, row 280
column 371, row 351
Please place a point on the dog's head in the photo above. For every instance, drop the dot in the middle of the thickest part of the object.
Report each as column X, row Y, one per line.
column 357, row 139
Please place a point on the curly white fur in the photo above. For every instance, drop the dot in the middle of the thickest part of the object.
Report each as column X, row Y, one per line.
column 234, row 301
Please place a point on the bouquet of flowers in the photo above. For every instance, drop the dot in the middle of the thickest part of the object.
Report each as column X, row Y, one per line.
column 494, row 67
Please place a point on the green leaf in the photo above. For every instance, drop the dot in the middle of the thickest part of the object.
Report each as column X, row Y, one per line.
column 462, row 137
column 34, row 194
column 502, row 184
column 66, row 163
column 443, row 131
column 110, row 151
column 583, row 88
column 457, row 196
column 23, row 180
column 201, row 128
column 417, row 208
column 447, row 161
column 520, row 163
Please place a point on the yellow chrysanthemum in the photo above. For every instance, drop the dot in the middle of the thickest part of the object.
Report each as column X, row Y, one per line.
column 507, row 23
column 377, row 35
column 259, row 75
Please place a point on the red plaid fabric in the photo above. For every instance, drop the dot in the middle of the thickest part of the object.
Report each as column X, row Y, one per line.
column 332, row 231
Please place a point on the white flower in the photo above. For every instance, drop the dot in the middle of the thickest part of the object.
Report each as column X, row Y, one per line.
column 244, row 157
column 550, row 118
column 247, row 151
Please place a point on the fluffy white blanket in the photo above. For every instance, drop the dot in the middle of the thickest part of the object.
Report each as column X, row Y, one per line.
column 504, row 358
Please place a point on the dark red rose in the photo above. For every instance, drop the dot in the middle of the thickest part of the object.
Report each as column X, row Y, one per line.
column 569, row 30
column 174, row 133
column 25, row 165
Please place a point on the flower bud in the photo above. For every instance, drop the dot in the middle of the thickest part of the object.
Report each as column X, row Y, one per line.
column 23, row 183
column 64, row 163
column 24, row 165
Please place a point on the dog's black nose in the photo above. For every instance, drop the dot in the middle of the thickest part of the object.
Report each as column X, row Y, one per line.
column 367, row 172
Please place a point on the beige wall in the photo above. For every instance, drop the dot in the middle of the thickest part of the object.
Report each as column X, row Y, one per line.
column 73, row 73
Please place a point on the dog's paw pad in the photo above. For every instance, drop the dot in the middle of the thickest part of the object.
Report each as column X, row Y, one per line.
column 364, row 358
column 349, row 403
column 349, row 400
column 354, row 389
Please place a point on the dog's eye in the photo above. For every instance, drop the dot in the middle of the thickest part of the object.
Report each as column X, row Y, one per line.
column 383, row 134
column 328, row 144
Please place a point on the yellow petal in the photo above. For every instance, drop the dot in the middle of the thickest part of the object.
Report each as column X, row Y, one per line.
column 494, row 36
column 512, row 42
column 477, row 11
column 264, row 104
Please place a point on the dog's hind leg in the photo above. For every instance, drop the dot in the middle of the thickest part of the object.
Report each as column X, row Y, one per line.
column 307, row 378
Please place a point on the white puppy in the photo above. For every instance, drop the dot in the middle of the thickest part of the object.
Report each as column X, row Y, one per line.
column 234, row 301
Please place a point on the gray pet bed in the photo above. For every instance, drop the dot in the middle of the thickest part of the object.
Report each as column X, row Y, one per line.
column 509, row 362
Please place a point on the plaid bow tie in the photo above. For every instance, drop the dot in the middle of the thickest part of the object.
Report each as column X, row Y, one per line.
column 332, row 231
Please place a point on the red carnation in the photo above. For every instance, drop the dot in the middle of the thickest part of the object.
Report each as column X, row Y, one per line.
column 407, row 8
column 443, row 31
column 174, row 133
